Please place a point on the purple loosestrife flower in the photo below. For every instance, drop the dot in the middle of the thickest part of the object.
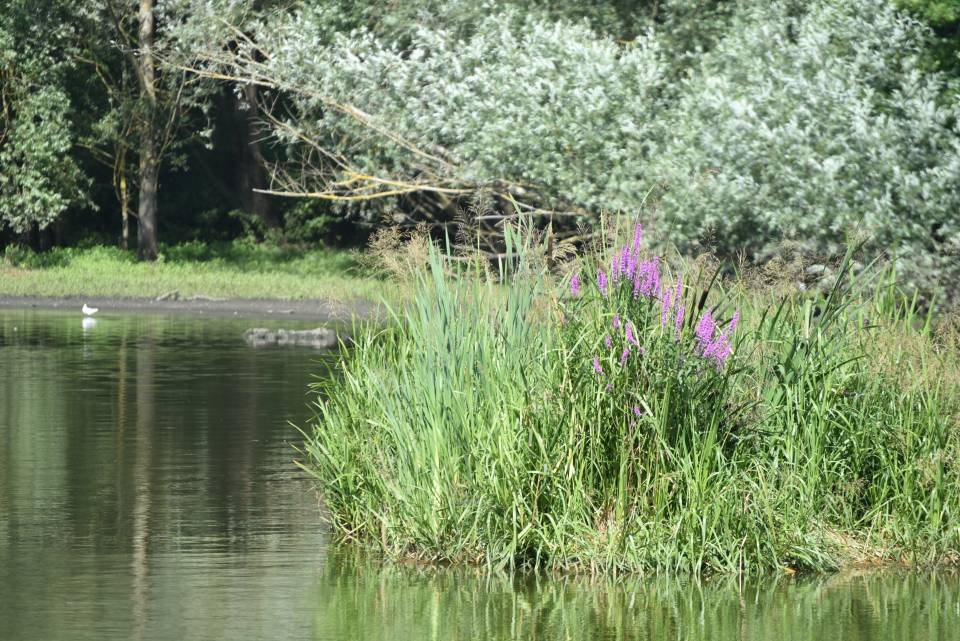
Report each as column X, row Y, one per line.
column 665, row 309
column 637, row 239
column 602, row 282
column 631, row 266
column 596, row 365
column 678, row 309
column 616, row 321
column 719, row 351
column 716, row 348
column 637, row 411
column 646, row 280
column 624, row 261
column 723, row 348
column 575, row 285
column 705, row 329
column 630, row 337
column 734, row 321
column 607, row 341
column 624, row 356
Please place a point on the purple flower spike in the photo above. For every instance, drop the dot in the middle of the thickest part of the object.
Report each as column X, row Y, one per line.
column 637, row 239
column 616, row 321
column 630, row 337
column 596, row 365
column 602, row 282
column 705, row 329
column 665, row 309
column 719, row 351
column 624, row 356
column 637, row 411
column 678, row 309
column 607, row 341
column 575, row 285
column 716, row 348
column 646, row 280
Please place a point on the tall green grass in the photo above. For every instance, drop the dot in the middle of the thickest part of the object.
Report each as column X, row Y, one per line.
column 492, row 423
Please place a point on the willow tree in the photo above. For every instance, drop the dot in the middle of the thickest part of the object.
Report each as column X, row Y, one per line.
column 447, row 100
column 837, row 126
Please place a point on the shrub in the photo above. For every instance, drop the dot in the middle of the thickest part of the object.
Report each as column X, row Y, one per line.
column 811, row 125
column 506, row 98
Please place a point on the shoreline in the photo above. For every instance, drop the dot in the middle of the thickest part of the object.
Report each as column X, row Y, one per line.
column 324, row 310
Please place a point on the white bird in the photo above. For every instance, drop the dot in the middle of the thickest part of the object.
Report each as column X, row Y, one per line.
column 89, row 311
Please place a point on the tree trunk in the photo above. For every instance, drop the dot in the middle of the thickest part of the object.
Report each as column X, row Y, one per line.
column 147, row 207
column 124, row 200
column 251, row 175
column 149, row 160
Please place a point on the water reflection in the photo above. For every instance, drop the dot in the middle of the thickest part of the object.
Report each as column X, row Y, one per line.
column 147, row 491
column 358, row 599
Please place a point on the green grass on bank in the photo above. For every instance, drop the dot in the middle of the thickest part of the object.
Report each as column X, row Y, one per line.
column 531, row 426
column 231, row 270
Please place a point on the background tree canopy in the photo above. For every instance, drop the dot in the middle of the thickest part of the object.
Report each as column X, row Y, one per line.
column 737, row 125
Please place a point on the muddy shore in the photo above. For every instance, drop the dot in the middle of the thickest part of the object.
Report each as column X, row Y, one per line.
column 320, row 310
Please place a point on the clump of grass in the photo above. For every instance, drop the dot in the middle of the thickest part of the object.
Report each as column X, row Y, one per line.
column 644, row 417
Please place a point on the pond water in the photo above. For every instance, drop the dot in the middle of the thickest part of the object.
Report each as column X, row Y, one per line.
column 148, row 491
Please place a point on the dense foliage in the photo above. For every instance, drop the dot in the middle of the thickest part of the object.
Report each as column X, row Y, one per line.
column 744, row 125
column 834, row 132
column 794, row 122
column 39, row 178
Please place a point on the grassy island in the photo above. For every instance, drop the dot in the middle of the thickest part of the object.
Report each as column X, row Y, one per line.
column 639, row 414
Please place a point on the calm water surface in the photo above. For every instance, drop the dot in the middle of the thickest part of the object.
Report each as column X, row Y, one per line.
column 148, row 491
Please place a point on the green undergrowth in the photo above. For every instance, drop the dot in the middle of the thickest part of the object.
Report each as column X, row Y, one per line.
column 707, row 424
column 227, row 270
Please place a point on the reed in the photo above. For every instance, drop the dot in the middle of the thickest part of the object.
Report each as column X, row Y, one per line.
column 644, row 417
